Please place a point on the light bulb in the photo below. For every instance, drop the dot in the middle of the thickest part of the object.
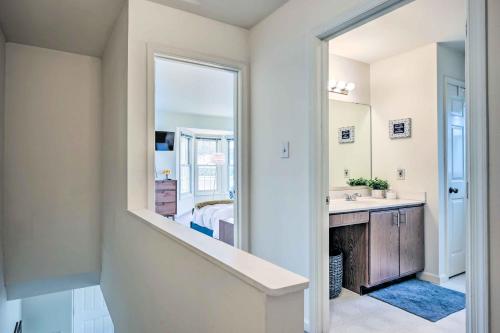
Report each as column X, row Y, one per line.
column 350, row 86
column 332, row 84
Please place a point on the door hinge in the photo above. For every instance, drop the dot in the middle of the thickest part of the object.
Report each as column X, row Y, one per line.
column 467, row 190
column 327, row 200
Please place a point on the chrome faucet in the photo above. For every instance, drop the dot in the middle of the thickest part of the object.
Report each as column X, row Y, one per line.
column 352, row 197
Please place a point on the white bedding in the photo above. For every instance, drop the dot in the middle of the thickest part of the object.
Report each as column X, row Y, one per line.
column 210, row 215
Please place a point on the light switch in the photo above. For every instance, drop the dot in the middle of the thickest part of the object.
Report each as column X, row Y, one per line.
column 285, row 149
column 347, row 173
column 401, row 174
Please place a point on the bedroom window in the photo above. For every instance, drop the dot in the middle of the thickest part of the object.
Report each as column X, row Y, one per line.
column 185, row 159
column 206, row 166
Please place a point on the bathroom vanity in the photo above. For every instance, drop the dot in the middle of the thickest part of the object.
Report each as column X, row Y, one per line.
column 382, row 240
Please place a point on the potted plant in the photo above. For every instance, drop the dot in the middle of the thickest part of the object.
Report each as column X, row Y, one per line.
column 357, row 182
column 378, row 186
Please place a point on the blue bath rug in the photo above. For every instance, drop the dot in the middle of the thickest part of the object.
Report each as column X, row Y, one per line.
column 422, row 298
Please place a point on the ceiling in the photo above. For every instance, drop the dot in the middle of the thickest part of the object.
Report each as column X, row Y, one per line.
column 193, row 89
column 78, row 26
column 242, row 13
column 83, row 26
column 417, row 24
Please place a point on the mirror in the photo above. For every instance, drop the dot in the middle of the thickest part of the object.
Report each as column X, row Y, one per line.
column 350, row 142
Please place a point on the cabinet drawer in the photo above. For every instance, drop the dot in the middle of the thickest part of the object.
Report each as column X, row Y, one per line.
column 169, row 208
column 339, row 220
column 166, row 196
column 166, row 185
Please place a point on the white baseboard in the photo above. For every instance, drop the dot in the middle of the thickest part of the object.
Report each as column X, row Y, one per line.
column 433, row 278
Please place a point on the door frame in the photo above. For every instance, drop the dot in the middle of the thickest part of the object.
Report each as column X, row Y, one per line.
column 477, row 297
column 241, row 127
column 449, row 80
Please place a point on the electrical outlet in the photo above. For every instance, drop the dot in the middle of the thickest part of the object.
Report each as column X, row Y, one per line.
column 346, row 173
column 401, row 173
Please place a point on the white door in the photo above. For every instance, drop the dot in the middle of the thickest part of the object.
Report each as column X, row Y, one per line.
column 90, row 313
column 456, row 175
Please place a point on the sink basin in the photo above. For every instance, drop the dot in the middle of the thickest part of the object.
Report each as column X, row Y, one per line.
column 367, row 203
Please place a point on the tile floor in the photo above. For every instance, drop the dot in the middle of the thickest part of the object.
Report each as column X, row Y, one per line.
column 352, row 313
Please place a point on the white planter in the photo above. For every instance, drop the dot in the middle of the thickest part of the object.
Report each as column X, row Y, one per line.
column 378, row 194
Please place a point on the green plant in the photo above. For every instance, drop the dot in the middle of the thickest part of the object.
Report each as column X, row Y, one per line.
column 378, row 184
column 357, row 181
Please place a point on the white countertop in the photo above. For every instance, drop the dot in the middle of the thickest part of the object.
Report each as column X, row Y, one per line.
column 368, row 203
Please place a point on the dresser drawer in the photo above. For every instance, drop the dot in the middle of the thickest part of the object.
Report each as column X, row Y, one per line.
column 169, row 208
column 166, row 196
column 166, row 185
column 339, row 220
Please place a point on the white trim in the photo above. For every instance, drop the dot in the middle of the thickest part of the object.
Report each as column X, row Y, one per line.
column 436, row 279
column 241, row 128
column 477, row 230
column 319, row 312
column 477, row 248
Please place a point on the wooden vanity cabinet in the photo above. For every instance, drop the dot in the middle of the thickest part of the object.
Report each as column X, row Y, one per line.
column 411, row 240
column 378, row 246
column 384, row 246
column 396, row 244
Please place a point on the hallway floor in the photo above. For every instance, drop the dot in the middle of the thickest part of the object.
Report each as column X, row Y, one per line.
column 352, row 313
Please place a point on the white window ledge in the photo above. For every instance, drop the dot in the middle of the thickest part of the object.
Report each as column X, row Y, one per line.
column 271, row 279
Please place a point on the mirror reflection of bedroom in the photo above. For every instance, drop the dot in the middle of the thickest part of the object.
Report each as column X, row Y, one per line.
column 195, row 183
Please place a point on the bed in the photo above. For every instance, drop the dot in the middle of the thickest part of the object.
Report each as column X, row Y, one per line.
column 209, row 216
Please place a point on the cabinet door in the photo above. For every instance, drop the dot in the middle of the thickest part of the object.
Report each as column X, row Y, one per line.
column 412, row 253
column 384, row 246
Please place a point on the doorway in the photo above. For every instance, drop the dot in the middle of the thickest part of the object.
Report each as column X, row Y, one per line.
column 197, row 131
column 456, row 175
column 477, row 280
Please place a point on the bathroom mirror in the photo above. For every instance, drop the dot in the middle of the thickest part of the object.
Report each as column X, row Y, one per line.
column 350, row 142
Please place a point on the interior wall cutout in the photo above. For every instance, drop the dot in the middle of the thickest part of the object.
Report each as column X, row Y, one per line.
column 195, row 176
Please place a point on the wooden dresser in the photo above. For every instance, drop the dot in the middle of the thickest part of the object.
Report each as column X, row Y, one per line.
column 166, row 197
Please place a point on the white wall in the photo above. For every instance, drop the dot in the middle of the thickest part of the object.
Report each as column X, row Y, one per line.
column 349, row 70
column 405, row 86
column 169, row 121
column 154, row 23
column 48, row 313
column 152, row 281
column 412, row 85
column 356, row 156
column 113, row 169
column 51, row 170
column 10, row 311
column 494, row 159
column 281, row 75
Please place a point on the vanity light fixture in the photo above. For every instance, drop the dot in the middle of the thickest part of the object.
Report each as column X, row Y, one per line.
column 341, row 87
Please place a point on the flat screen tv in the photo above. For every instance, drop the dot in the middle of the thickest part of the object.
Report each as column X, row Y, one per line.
column 164, row 141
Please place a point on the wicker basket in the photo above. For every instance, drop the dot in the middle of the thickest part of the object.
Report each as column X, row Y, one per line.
column 336, row 274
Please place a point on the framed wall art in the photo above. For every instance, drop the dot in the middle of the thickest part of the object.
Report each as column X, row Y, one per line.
column 400, row 128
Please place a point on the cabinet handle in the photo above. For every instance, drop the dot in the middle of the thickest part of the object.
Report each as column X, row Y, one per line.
column 404, row 220
column 395, row 215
